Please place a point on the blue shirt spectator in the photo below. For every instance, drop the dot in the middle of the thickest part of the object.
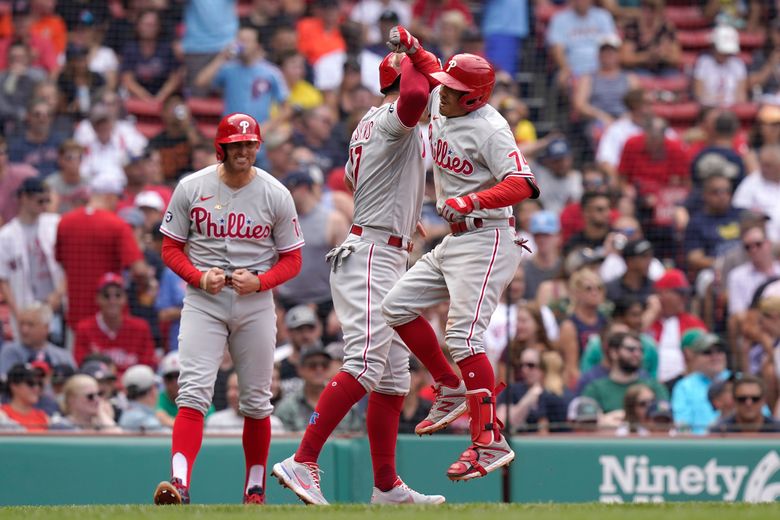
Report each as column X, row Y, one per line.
column 171, row 296
column 38, row 145
column 505, row 24
column 714, row 227
column 251, row 89
column 577, row 31
column 210, row 25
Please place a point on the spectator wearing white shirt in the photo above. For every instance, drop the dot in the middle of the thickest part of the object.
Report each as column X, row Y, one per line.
column 639, row 109
column 720, row 78
column 744, row 279
column 760, row 190
column 369, row 13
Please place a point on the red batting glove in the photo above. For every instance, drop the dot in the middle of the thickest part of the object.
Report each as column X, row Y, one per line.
column 456, row 209
column 401, row 40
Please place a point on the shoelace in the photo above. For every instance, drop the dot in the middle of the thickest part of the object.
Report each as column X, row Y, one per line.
column 314, row 472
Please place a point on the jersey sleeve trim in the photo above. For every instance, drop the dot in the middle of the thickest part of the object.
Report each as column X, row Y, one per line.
column 287, row 249
column 172, row 235
column 529, row 175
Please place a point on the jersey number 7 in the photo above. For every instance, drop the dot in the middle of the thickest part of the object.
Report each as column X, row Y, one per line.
column 354, row 157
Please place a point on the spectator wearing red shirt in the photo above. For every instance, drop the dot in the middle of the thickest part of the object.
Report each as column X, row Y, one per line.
column 25, row 387
column 426, row 15
column 594, row 179
column 656, row 167
column 48, row 25
column 91, row 241
column 112, row 331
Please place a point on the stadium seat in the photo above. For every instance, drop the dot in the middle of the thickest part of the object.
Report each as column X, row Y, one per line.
column 149, row 129
column 686, row 17
column 694, row 40
column 678, row 114
column 207, row 110
column 676, row 84
column 746, row 112
column 143, row 109
column 207, row 129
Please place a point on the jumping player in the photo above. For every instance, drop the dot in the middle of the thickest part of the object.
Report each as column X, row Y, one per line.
column 479, row 175
column 387, row 174
column 244, row 239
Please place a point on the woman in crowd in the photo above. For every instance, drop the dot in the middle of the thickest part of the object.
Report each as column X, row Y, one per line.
column 84, row 407
column 585, row 319
column 530, row 333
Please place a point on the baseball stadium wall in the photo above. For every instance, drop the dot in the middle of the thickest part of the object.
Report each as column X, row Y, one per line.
column 114, row 470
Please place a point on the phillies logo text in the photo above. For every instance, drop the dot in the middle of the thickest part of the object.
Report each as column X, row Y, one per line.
column 233, row 225
column 445, row 159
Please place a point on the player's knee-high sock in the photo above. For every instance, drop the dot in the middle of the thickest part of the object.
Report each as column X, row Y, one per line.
column 340, row 394
column 422, row 341
column 382, row 417
column 478, row 375
column 187, row 438
column 256, row 440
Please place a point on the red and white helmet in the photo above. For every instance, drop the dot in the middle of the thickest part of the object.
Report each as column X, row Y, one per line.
column 471, row 74
column 390, row 69
column 235, row 128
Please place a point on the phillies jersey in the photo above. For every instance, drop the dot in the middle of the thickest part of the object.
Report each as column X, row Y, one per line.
column 232, row 229
column 472, row 153
column 386, row 168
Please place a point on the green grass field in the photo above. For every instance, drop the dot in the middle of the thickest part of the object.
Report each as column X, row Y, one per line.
column 679, row 511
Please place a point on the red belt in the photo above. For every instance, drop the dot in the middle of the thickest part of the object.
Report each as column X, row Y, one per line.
column 478, row 223
column 392, row 240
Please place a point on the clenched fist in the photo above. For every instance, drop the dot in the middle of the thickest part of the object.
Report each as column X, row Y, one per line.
column 401, row 40
column 213, row 280
column 456, row 208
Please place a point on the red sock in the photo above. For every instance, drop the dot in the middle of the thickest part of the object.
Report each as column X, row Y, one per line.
column 187, row 438
column 382, row 417
column 256, row 440
column 341, row 393
column 477, row 372
column 422, row 341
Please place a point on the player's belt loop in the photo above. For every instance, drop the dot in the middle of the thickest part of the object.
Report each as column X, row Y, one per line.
column 472, row 224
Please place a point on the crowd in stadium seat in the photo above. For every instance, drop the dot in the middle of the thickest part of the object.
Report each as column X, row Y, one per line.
column 649, row 305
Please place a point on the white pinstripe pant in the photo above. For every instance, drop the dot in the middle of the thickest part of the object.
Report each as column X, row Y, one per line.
column 471, row 270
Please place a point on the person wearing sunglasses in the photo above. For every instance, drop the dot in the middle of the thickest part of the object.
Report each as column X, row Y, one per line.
column 706, row 360
column 749, row 394
column 82, row 408
column 29, row 272
column 625, row 355
column 24, row 392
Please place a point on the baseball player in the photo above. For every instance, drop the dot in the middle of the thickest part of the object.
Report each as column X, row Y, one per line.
column 386, row 172
column 479, row 175
column 244, row 239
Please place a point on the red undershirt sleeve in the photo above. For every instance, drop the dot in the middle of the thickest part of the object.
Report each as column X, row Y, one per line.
column 414, row 94
column 286, row 268
column 508, row 192
column 174, row 257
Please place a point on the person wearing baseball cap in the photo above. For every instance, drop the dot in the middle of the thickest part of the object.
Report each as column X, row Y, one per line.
column 545, row 263
column 637, row 254
column 305, row 332
column 706, row 359
column 720, row 78
column 673, row 291
column 558, row 181
column 583, row 414
column 24, row 386
column 140, row 383
column 166, row 404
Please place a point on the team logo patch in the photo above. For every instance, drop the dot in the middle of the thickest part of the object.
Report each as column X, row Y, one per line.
column 313, row 418
column 168, row 216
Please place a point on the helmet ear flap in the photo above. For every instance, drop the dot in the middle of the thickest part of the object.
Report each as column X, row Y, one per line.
column 221, row 152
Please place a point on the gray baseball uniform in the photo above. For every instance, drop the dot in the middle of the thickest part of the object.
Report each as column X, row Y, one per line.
column 470, row 153
column 230, row 229
column 386, row 169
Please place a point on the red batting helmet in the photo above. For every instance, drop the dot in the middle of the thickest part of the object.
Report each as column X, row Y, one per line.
column 471, row 74
column 389, row 70
column 235, row 128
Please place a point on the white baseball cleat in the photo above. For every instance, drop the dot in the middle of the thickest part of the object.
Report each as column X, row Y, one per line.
column 449, row 404
column 302, row 478
column 403, row 494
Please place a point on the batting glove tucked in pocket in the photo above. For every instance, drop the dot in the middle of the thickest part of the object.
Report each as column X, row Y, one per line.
column 337, row 255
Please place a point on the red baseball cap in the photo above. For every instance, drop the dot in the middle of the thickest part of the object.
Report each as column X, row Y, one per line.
column 672, row 279
column 110, row 279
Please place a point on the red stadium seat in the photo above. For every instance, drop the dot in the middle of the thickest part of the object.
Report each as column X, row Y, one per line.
column 676, row 84
column 207, row 129
column 149, row 129
column 686, row 17
column 143, row 109
column 694, row 39
column 751, row 41
column 678, row 114
column 746, row 112
column 206, row 110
